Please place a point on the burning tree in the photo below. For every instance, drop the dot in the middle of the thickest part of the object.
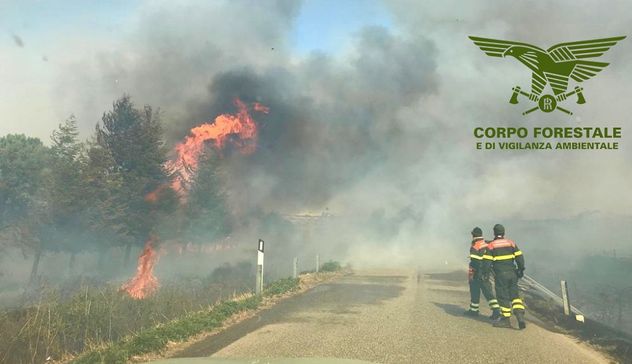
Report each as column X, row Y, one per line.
column 205, row 210
column 119, row 188
column 240, row 125
column 206, row 213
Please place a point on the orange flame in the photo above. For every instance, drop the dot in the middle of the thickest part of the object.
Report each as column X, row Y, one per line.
column 153, row 196
column 224, row 126
column 261, row 108
column 144, row 282
column 243, row 127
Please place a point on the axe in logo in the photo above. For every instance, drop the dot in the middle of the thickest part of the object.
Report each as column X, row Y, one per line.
column 547, row 103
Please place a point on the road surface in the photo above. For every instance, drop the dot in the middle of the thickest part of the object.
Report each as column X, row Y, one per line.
column 388, row 317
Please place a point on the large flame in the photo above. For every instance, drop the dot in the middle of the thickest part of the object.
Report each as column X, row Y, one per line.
column 239, row 127
column 240, row 130
column 144, row 282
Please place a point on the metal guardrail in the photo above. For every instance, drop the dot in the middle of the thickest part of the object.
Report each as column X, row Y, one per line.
column 528, row 282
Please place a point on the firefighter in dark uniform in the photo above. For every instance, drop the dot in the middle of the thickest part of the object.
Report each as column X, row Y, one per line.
column 476, row 280
column 505, row 260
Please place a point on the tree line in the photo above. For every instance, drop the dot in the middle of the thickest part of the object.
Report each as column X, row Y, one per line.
column 76, row 195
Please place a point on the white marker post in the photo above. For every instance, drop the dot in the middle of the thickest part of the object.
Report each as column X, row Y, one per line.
column 565, row 300
column 259, row 282
column 317, row 262
column 295, row 268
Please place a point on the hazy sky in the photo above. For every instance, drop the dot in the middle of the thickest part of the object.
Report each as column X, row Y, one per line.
column 40, row 39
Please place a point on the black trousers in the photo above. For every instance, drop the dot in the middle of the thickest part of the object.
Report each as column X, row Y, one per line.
column 477, row 286
column 507, row 292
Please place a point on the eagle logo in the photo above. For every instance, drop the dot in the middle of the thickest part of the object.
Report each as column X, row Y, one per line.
column 554, row 66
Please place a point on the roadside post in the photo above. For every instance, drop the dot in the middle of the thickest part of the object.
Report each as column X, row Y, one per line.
column 317, row 262
column 295, row 268
column 565, row 299
column 259, row 281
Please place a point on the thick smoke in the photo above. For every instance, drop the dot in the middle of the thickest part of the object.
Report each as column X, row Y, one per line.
column 380, row 132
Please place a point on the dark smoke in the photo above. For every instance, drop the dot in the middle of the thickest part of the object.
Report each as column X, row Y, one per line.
column 379, row 132
column 312, row 146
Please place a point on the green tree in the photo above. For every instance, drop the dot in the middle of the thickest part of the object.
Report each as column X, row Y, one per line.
column 67, row 191
column 22, row 163
column 207, row 217
column 24, row 175
column 133, row 140
column 106, row 210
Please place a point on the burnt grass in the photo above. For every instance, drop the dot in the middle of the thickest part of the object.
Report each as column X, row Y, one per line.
column 615, row 343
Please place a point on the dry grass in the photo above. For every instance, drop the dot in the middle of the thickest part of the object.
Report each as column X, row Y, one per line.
column 111, row 327
column 57, row 325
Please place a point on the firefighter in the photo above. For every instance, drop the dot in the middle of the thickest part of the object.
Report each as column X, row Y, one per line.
column 477, row 282
column 505, row 260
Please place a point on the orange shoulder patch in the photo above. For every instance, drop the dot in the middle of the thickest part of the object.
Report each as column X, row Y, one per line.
column 500, row 243
column 480, row 244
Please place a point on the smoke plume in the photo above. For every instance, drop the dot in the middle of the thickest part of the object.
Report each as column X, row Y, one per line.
column 380, row 132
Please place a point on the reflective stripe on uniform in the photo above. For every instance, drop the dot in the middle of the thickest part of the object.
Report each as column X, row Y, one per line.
column 474, row 256
column 505, row 257
column 507, row 314
column 519, row 252
column 505, row 309
column 473, row 304
column 518, row 306
column 517, row 300
column 488, row 257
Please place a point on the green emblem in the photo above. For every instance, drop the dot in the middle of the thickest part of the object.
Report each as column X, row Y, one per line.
column 553, row 66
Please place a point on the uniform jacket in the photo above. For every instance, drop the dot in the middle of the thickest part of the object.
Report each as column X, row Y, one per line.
column 477, row 250
column 502, row 254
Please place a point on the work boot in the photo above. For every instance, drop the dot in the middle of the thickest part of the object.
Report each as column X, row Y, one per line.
column 502, row 322
column 495, row 315
column 521, row 323
column 471, row 313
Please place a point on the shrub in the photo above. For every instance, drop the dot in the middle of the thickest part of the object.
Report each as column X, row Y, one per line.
column 281, row 286
column 330, row 266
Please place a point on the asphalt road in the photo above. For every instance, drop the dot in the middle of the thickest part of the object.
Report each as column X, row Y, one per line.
column 389, row 317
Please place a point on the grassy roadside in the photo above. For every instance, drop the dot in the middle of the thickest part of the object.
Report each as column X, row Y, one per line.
column 57, row 322
column 615, row 343
column 158, row 338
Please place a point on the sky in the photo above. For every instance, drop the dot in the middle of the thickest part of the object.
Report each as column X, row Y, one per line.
column 326, row 25
column 38, row 38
